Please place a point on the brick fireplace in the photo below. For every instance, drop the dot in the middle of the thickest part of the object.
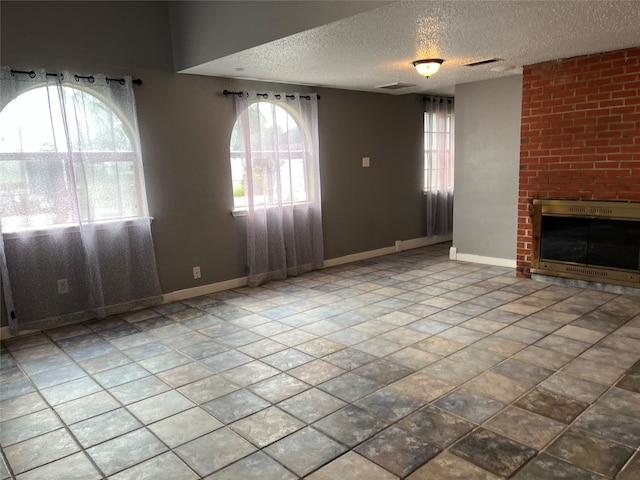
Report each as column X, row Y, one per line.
column 580, row 135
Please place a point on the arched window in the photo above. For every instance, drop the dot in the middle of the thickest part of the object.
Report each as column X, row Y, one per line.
column 279, row 172
column 66, row 156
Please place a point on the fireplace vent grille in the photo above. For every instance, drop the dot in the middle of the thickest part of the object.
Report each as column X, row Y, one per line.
column 588, row 271
column 590, row 211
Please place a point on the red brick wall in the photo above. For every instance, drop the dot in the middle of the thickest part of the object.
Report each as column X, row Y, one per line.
column 580, row 134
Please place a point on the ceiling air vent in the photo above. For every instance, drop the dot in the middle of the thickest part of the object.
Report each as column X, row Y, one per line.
column 483, row 62
column 396, row 86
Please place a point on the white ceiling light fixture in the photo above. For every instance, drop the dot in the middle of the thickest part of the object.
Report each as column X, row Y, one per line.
column 428, row 67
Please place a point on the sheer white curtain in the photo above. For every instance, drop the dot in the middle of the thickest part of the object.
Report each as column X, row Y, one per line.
column 276, row 139
column 75, row 234
column 439, row 163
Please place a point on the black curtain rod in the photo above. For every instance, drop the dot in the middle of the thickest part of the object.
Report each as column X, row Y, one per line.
column 438, row 98
column 89, row 78
column 265, row 95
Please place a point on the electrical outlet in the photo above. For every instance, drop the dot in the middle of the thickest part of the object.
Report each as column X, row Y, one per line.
column 196, row 272
column 366, row 162
column 63, row 286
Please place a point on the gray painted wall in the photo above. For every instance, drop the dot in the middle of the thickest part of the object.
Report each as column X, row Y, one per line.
column 185, row 125
column 205, row 31
column 487, row 163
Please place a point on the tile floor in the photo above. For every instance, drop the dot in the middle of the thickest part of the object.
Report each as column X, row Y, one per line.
column 404, row 366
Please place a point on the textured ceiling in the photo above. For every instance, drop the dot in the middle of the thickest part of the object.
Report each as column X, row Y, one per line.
column 377, row 47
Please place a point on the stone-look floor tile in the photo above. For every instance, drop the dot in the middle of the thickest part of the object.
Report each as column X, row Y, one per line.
column 462, row 335
column 631, row 470
column 611, row 356
column 552, row 405
column 125, row 451
column 436, row 426
column 610, row 424
column 483, row 325
column 147, row 350
column 428, row 326
column 315, row 372
column 118, row 376
column 161, row 406
column 184, row 427
column 574, row 387
column 478, row 357
column 208, row 389
column 349, row 358
column 18, row 406
column 249, row 373
column 520, row 334
column 305, row 451
column 388, row 404
column 594, row 371
column 523, row 371
column 105, row 362
column 550, row 468
column 40, row 450
column 104, row 427
column 57, row 376
column 439, row 346
column 451, row 371
column 267, row 426
column 590, row 452
column 350, row 425
column 165, row 361
column 257, row 466
column 543, row 357
column 579, row 333
column 358, row 468
column 378, row 347
column 168, row 465
column 321, row 327
column 450, row 467
column 383, row 371
column 474, row 408
column 226, row 360
column 227, row 445
column 630, row 381
column 279, row 387
column 139, row 390
column 397, row 451
column 350, row 387
column 287, row 359
column 184, row 374
column 493, row 452
column 198, row 351
column 73, row 467
column 524, row 427
column 86, row 407
column 503, row 346
column 563, row 345
column 234, row 406
column 72, row 390
column 320, row 347
column 311, row 405
column 622, row 401
column 16, row 388
column 497, row 387
column 262, row 348
column 294, row 337
column 413, row 358
column 422, row 387
column 28, row 426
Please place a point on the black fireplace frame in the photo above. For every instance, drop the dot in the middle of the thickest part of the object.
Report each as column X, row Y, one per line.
column 583, row 270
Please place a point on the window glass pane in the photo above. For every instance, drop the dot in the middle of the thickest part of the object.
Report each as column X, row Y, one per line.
column 279, row 171
column 42, row 183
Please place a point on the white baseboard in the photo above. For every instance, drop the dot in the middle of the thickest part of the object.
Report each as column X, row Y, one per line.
column 203, row 290
column 495, row 261
column 400, row 245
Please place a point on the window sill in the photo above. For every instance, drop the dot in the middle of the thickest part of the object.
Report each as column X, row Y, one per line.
column 70, row 228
